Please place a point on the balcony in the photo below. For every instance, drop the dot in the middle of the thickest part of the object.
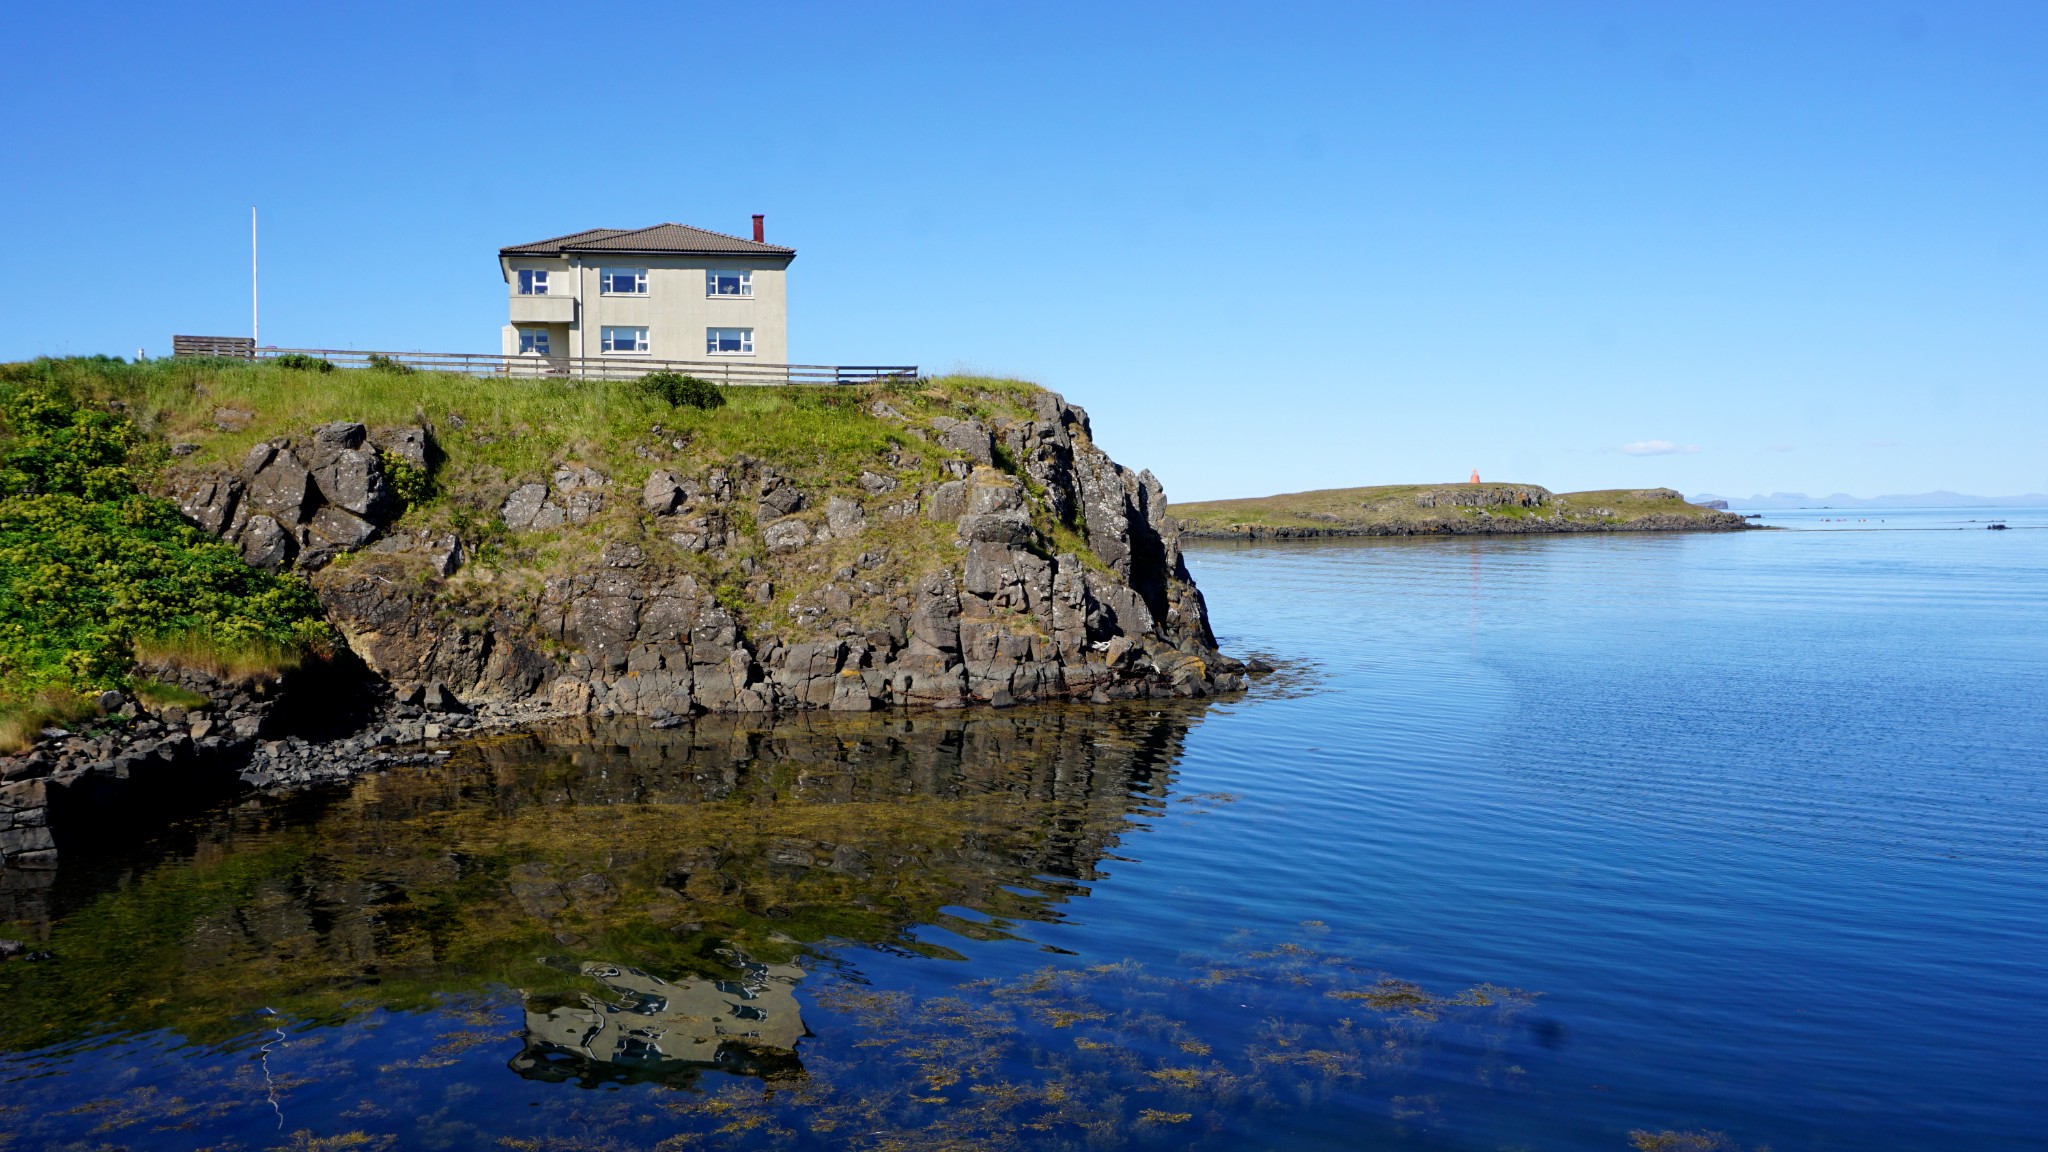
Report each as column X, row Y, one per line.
column 543, row 309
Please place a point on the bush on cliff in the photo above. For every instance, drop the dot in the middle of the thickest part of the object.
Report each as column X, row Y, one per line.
column 680, row 390
column 303, row 363
column 89, row 565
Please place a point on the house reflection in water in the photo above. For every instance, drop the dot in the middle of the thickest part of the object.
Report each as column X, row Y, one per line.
column 654, row 1029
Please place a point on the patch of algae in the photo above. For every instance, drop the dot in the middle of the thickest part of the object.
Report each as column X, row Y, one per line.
column 1670, row 1140
column 983, row 1067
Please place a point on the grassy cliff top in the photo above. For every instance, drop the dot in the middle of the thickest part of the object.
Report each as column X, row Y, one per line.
column 194, row 417
column 517, row 426
column 1450, row 507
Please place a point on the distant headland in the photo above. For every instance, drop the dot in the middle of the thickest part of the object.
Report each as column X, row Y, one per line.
column 1449, row 510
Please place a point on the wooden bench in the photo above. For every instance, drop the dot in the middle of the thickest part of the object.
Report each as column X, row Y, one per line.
column 237, row 347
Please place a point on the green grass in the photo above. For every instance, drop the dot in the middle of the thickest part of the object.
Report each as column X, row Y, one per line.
column 515, row 425
column 222, row 657
column 523, row 425
column 1394, row 507
column 22, row 715
column 157, row 694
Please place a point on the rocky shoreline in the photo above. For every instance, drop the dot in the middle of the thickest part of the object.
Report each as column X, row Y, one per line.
column 134, row 764
column 997, row 557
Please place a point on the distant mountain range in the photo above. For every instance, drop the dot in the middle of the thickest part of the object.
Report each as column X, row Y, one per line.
column 1844, row 500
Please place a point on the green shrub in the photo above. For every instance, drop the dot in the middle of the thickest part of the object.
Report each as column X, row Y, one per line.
column 53, row 448
column 88, row 564
column 680, row 390
column 303, row 363
column 382, row 363
column 412, row 485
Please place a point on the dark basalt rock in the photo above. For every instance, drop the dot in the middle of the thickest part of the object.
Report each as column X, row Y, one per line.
column 662, row 493
column 948, row 501
column 347, row 473
column 279, row 485
column 526, row 506
column 302, row 503
column 265, row 544
column 966, row 436
column 441, row 550
column 1011, row 620
column 412, row 445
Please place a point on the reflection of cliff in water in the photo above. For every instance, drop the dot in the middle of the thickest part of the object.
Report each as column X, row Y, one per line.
column 655, row 1029
column 663, row 851
column 752, row 835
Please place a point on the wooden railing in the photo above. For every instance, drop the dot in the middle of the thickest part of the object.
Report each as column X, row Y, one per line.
column 733, row 372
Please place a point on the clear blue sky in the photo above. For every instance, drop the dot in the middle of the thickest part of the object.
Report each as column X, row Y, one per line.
column 1270, row 247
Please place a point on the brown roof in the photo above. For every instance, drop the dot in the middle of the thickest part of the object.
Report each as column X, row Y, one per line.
column 668, row 239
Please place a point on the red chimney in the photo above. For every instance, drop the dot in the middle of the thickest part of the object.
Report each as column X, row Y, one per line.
column 760, row 229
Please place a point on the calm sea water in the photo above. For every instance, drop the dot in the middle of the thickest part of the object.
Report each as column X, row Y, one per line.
column 1531, row 844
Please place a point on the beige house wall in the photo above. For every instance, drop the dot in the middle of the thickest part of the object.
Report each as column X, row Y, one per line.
column 676, row 310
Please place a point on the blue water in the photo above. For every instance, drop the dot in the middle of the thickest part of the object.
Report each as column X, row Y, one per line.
column 1896, row 519
column 1761, row 815
column 1753, row 822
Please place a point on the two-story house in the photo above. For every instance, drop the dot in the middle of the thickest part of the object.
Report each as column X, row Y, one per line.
column 669, row 292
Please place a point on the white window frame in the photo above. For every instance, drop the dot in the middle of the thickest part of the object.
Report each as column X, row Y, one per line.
column 746, row 283
column 605, row 276
column 608, row 339
column 533, row 281
column 535, row 342
column 711, row 342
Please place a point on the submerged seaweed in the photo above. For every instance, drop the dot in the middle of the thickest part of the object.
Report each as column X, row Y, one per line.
column 690, row 914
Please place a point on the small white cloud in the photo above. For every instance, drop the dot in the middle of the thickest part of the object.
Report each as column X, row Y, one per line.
column 1657, row 448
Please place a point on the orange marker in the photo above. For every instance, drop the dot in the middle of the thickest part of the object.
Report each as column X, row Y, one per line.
column 1475, row 475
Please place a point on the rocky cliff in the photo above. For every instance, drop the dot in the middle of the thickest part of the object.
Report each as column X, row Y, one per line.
column 939, row 544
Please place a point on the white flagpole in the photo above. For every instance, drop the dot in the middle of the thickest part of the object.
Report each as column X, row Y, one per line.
column 255, row 329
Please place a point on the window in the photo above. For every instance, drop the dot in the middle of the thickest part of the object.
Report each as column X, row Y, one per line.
column 532, row 282
column 730, row 341
column 533, row 341
column 625, row 339
column 728, row 283
column 623, row 281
